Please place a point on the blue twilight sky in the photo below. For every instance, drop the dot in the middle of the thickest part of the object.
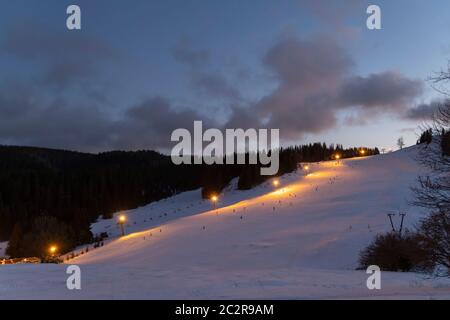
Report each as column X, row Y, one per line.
column 139, row 69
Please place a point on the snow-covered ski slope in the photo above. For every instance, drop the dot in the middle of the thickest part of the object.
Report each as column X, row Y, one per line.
column 298, row 241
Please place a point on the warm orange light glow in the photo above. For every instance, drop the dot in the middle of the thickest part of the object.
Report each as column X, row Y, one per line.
column 214, row 198
column 281, row 191
column 363, row 152
column 53, row 249
column 276, row 183
column 337, row 156
column 306, row 168
column 122, row 218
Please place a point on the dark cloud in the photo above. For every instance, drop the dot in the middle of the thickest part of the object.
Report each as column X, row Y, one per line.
column 308, row 64
column 206, row 83
column 308, row 73
column 65, row 57
column 425, row 111
column 26, row 120
column 152, row 122
column 214, row 86
column 185, row 53
column 316, row 82
column 383, row 91
column 36, row 112
column 210, row 84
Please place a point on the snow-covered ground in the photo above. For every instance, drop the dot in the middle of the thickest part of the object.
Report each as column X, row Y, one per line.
column 300, row 241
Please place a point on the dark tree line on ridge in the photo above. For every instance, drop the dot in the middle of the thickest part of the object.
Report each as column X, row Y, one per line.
column 219, row 176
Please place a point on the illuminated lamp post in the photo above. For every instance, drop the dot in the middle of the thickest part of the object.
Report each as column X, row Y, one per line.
column 214, row 199
column 53, row 250
column 122, row 220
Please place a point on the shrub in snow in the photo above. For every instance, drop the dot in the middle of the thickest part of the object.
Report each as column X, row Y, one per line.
column 395, row 252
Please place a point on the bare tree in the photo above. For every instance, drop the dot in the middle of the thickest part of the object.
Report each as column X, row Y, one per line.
column 434, row 238
column 433, row 189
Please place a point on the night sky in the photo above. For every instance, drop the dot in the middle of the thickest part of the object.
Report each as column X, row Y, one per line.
column 140, row 69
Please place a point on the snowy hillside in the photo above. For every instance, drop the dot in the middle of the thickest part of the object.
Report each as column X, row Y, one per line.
column 300, row 240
